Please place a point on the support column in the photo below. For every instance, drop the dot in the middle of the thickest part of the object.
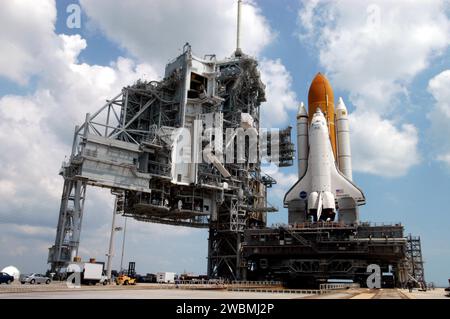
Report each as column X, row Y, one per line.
column 69, row 226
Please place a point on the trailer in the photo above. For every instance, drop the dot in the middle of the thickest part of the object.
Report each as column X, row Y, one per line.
column 90, row 272
column 165, row 277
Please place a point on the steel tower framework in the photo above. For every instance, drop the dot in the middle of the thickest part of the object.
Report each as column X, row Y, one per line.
column 132, row 145
column 414, row 260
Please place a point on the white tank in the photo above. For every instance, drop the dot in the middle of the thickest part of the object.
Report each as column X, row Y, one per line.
column 302, row 140
column 12, row 271
column 343, row 140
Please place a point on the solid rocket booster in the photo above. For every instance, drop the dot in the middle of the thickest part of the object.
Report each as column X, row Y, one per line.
column 302, row 140
column 343, row 140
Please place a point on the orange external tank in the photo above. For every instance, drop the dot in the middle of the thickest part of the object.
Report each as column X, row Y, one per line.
column 321, row 96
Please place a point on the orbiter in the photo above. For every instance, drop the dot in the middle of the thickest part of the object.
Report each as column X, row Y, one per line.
column 325, row 186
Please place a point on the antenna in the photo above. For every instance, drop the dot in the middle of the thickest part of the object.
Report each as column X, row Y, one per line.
column 238, row 31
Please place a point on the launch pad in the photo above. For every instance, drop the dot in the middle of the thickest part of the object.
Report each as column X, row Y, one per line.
column 309, row 254
column 189, row 150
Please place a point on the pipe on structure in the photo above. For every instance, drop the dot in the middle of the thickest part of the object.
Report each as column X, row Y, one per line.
column 111, row 241
column 343, row 140
column 238, row 30
column 238, row 35
column 123, row 243
column 302, row 140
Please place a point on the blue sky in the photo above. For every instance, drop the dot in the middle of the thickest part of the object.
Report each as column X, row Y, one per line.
column 394, row 84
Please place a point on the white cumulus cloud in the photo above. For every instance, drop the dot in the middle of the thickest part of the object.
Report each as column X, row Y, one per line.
column 34, row 135
column 284, row 182
column 444, row 158
column 281, row 99
column 439, row 115
column 373, row 49
column 381, row 148
column 155, row 31
column 21, row 43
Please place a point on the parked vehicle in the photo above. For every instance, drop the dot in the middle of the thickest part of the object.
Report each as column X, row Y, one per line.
column 91, row 273
column 148, row 278
column 12, row 271
column 125, row 280
column 35, row 279
column 165, row 277
column 5, row 278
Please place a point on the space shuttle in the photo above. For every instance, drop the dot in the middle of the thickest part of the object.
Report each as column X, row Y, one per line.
column 324, row 190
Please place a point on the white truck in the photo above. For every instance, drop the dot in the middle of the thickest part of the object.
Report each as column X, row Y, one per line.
column 165, row 277
column 90, row 273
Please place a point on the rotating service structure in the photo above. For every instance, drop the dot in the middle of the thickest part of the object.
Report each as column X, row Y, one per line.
column 180, row 151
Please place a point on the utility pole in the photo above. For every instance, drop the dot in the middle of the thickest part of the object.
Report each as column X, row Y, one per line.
column 110, row 253
column 123, row 243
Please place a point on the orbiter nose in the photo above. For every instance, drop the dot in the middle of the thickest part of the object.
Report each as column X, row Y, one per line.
column 318, row 113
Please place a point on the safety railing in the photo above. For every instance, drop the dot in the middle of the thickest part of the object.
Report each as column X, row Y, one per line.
column 278, row 291
column 336, row 286
column 255, row 283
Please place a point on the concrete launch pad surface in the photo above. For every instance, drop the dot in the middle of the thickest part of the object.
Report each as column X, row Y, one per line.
column 55, row 291
column 141, row 293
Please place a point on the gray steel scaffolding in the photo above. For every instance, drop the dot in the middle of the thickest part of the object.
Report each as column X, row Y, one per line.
column 131, row 145
column 415, row 261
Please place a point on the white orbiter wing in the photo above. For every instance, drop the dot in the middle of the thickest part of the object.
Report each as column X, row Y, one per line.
column 341, row 187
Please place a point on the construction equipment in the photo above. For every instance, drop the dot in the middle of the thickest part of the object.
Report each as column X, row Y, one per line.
column 125, row 280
